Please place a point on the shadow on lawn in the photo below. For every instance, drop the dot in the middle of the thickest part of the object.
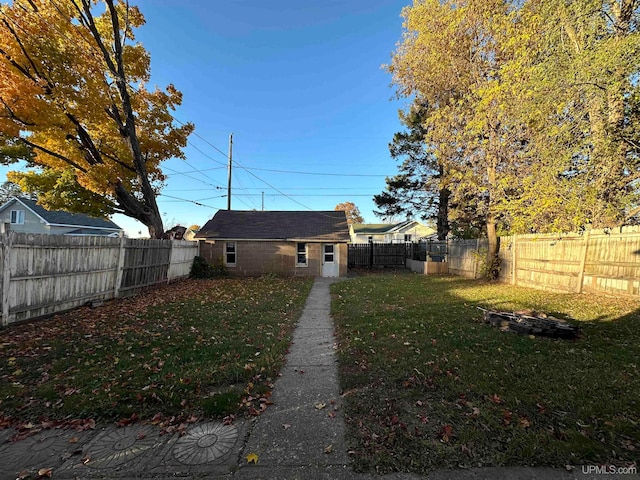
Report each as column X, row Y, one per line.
column 428, row 385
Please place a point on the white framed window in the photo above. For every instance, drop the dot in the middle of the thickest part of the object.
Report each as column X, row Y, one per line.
column 17, row 217
column 407, row 238
column 230, row 254
column 301, row 255
column 328, row 253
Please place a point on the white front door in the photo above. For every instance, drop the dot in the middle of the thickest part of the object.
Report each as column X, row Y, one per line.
column 330, row 263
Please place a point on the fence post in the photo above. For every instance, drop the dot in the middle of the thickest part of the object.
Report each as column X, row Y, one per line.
column 513, row 259
column 583, row 262
column 119, row 268
column 476, row 259
column 6, row 274
column 371, row 255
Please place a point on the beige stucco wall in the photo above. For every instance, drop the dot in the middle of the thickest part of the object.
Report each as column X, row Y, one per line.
column 255, row 258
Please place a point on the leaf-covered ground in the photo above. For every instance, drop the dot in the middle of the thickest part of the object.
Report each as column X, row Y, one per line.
column 196, row 348
column 428, row 385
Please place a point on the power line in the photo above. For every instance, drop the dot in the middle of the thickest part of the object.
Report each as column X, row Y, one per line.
column 308, row 195
column 193, row 171
column 315, row 173
column 192, row 178
column 187, row 200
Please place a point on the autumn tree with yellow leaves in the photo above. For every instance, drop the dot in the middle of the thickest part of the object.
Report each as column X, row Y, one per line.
column 531, row 108
column 449, row 62
column 73, row 99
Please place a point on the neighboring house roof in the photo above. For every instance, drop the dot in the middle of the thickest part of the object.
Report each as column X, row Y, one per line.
column 371, row 228
column 330, row 226
column 391, row 228
column 59, row 217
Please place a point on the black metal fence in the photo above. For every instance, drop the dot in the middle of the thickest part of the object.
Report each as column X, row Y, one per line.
column 431, row 250
column 395, row 254
column 378, row 254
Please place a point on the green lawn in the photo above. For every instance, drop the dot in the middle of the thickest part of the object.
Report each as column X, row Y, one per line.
column 204, row 348
column 427, row 385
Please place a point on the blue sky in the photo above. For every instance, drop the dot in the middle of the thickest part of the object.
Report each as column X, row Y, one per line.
column 300, row 86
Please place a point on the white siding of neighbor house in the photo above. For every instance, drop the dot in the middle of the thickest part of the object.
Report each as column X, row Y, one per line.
column 32, row 223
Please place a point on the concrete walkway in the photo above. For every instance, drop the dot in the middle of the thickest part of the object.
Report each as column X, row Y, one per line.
column 301, row 436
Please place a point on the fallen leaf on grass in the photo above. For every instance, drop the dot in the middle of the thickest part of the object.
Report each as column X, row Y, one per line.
column 446, row 433
column 45, row 472
column 328, row 449
column 320, row 406
column 252, row 457
column 506, row 417
column 332, row 414
column 286, row 425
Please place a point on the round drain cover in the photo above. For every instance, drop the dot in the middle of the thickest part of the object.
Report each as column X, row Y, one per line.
column 205, row 443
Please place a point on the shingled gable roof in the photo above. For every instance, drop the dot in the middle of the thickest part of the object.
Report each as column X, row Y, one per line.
column 325, row 226
column 380, row 228
column 58, row 217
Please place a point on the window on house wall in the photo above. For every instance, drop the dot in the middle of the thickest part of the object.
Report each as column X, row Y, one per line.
column 17, row 217
column 230, row 253
column 407, row 238
column 301, row 254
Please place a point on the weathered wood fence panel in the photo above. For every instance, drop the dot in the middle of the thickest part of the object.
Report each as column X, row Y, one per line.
column 44, row 274
column 182, row 253
column 463, row 257
column 146, row 262
column 49, row 273
column 548, row 262
column 596, row 261
column 612, row 263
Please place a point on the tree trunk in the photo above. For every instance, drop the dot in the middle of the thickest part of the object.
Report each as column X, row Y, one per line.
column 150, row 217
column 493, row 248
column 442, row 221
column 492, row 235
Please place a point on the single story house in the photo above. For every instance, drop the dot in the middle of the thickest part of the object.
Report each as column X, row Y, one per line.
column 26, row 216
column 294, row 243
column 403, row 232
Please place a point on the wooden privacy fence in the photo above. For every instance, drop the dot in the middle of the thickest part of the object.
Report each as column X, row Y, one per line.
column 598, row 261
column 378, row 254
column 45, row 274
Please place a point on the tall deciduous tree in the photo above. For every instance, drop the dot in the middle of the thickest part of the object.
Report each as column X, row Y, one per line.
column 72, row 92
column 353, row 213
column 578, row 77
column 9, row 190
column 450, row 59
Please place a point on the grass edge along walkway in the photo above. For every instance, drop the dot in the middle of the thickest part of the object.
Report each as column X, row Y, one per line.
column 427, row 385
column 191, row 349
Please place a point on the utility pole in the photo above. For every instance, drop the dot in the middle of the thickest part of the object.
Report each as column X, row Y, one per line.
column 263, row 201
column 229, row 172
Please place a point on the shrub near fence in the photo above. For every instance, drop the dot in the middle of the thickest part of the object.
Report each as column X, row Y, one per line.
column 45, row 274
